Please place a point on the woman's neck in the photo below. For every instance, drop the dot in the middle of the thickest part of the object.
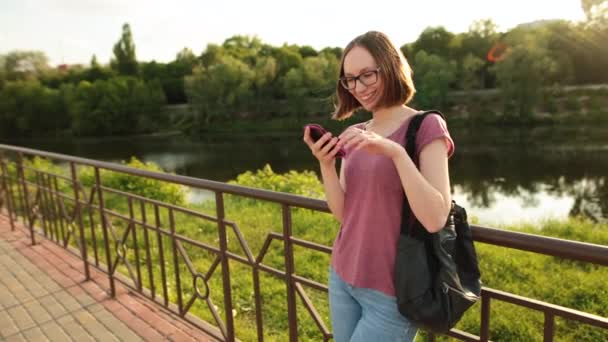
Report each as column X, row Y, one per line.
column 389, row 115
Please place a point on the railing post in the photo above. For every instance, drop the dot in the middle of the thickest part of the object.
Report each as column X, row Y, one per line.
column 105, row 232
column 135, row 245
column 83, row 245
column 178, row 281
column 219, row 203
column 484, row 333
column 548, row 329
column 289, row 271
column 26, row 201
column 8, row 192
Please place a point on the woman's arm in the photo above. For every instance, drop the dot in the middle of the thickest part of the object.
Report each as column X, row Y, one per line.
column 325, row 150
column 427, row 190
column 334, row 188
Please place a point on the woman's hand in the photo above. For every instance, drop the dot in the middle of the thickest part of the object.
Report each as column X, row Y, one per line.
column 325, row 154
column 355, row 138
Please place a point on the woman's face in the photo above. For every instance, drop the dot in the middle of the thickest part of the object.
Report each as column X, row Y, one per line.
column 367, row 88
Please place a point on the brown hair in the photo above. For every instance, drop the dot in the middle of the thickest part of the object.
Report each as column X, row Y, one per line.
column 395, row 73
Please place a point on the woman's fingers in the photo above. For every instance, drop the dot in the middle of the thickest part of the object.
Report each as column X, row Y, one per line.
column 307, row 139
column 324, row 138
column 349, row 133
column 322, row 148
column 330, row 144
column 354, row 141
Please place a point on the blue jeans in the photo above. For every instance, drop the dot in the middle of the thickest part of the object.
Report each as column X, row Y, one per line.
column 362, row 315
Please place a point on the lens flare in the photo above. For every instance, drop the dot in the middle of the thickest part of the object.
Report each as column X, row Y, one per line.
column 498, row 52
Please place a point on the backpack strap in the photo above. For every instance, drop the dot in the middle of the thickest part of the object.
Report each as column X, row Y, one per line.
column 412, row 131
column 409, row 223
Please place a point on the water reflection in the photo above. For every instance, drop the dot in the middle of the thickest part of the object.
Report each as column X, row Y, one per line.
column 501, row 175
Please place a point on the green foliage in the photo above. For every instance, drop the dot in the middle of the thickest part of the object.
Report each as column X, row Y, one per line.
column 120, row 105
column 24, row 65
column 27, row 108
column 44, row 164
column 304, row 183
column 471, row 77
column 124, row 61
column 522, row 74
column 432, row 76
column 220, row 90
column 147, row 187
column 572, row 103
column 434, row 41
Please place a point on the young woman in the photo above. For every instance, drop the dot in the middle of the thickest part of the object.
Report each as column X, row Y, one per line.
column 367, row 197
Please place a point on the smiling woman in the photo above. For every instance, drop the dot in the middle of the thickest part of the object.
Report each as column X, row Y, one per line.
column 368, row 195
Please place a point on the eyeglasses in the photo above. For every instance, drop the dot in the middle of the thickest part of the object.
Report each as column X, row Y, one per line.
column 366, row 78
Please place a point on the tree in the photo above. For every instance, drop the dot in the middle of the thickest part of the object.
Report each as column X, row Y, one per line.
column 470, row 75
column 265, row 71
column 124, row 61
column 96, row 71
column 211, row 55
column 25, row 65
column 243, row 48
column 523, row 73
column 307, row 51
column 186, row 57
column 434, row 40
column 221, row 90
column 596, row 11
column 432, row 77
column 2, row 72
column 287, row 58
column 336, row 51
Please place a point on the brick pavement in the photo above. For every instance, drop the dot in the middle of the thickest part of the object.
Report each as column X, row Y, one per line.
column 43, row 297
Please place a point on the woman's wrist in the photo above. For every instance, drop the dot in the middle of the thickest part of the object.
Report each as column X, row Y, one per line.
column 397, row 152
column 327, row 167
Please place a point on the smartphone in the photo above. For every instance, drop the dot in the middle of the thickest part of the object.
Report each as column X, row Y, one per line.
column 317, row 131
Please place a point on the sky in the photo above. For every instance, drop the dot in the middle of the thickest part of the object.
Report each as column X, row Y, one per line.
column 71, row 31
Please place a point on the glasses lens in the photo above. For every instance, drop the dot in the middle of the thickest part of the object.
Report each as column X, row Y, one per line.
column 369, row 78
column 348, row 82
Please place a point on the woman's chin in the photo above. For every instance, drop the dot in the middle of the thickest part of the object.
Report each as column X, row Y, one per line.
column 369, row 106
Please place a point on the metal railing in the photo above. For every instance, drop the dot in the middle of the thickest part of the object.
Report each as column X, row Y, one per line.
column 47, row 209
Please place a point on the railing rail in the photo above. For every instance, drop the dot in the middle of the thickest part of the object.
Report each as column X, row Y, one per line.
column 43, row 208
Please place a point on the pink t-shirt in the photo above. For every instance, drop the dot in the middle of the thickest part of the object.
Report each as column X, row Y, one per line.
column 365, row 249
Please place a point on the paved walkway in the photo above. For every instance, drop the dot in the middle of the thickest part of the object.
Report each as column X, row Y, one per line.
column 43, row 297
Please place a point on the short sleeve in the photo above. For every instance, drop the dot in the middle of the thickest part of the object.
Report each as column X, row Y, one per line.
column 433, row 127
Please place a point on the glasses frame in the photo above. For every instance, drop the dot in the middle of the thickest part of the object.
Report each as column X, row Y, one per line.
column 344, row 84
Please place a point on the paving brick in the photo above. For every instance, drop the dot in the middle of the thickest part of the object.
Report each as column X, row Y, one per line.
column 34, row 334
column 37, row 312
column 16, row 338
column 7, row 325
column 140, row 327
column 53, row 307
column 54, row 332
column 7, row 299
column 116, row 326
column 21, row 318
column 93, row 327
column 73, row 329
column 69, row 303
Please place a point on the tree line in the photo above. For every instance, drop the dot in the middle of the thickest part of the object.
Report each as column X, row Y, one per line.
column 246, row 78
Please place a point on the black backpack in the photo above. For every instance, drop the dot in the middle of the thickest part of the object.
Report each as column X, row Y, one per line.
column 437, row 275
